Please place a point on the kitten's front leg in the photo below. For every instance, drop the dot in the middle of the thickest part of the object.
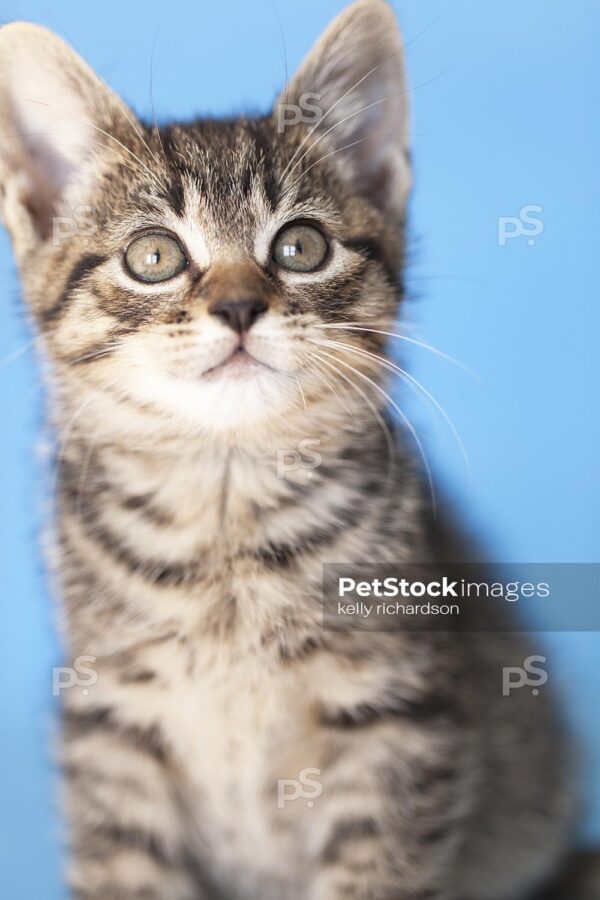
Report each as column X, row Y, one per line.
column 378, row 880
column 127, row 839
column 363, row 860
column 391, row 814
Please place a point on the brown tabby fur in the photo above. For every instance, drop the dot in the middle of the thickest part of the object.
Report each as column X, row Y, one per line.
column 191, row 570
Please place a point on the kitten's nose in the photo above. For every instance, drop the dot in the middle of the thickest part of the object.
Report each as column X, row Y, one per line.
column 240, row 315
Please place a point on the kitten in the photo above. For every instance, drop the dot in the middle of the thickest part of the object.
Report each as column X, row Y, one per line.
column 198, row 289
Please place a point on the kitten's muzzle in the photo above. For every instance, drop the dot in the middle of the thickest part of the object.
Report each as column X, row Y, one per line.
column 239, row 315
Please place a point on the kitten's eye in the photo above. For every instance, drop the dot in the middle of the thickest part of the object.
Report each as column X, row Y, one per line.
column 155, row 257
column 300, row 248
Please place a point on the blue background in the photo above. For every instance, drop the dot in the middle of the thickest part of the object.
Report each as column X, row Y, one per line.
column 505, row 115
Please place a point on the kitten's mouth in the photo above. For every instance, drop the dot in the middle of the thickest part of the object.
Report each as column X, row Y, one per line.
column 238, row 364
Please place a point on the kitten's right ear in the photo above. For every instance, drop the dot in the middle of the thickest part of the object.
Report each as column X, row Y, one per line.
column 354, row 80
column 53, row 112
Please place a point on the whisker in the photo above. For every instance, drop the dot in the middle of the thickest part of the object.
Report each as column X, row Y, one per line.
column 404, row 418
column 388, row 435
column 324, row 134
column 95, row 354
column 108, row 135
column 357, row 84
column 156, row 128
column 321, row 158
column 301, row 393
column 124, row 160
column 415, row 384
column 332, row 107
column 142, row 139
column 352, row 115
column 283, row 46
column 17, row 353
column 128, row 163
column 404, row 337
column 317, row 371
column 102, row 83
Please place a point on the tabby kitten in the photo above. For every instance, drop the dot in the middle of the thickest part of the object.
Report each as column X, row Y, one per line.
column 193, row 286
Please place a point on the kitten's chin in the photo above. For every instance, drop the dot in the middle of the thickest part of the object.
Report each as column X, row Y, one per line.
column 238, row 394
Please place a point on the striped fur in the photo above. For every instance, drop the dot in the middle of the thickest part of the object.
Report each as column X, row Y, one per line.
column 191, row 570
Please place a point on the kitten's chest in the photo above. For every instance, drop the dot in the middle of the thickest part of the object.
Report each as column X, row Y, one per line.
column 242, row 730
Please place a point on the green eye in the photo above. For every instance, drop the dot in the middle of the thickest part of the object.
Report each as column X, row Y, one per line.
column 300, row 248
column 155, row 257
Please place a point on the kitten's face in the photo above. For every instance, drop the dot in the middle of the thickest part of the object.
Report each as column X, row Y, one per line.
column 250, row 270
column 196, row 272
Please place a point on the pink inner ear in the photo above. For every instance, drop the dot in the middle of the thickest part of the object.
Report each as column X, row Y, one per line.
column 54, row 116
column 46, row 104
column 46, row 172
column 357, row 70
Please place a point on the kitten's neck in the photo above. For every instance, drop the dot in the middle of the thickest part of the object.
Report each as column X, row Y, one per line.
column 222, row 480
column 228, row 488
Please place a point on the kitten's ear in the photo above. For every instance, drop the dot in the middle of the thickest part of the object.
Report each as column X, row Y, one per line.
column 355, row 76
column 53, row 110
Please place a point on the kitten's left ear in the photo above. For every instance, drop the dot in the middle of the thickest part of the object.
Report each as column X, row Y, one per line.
column 54, row 111
column 355, row 77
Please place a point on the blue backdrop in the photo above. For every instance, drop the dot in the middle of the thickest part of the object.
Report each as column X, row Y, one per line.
column 505, row 118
